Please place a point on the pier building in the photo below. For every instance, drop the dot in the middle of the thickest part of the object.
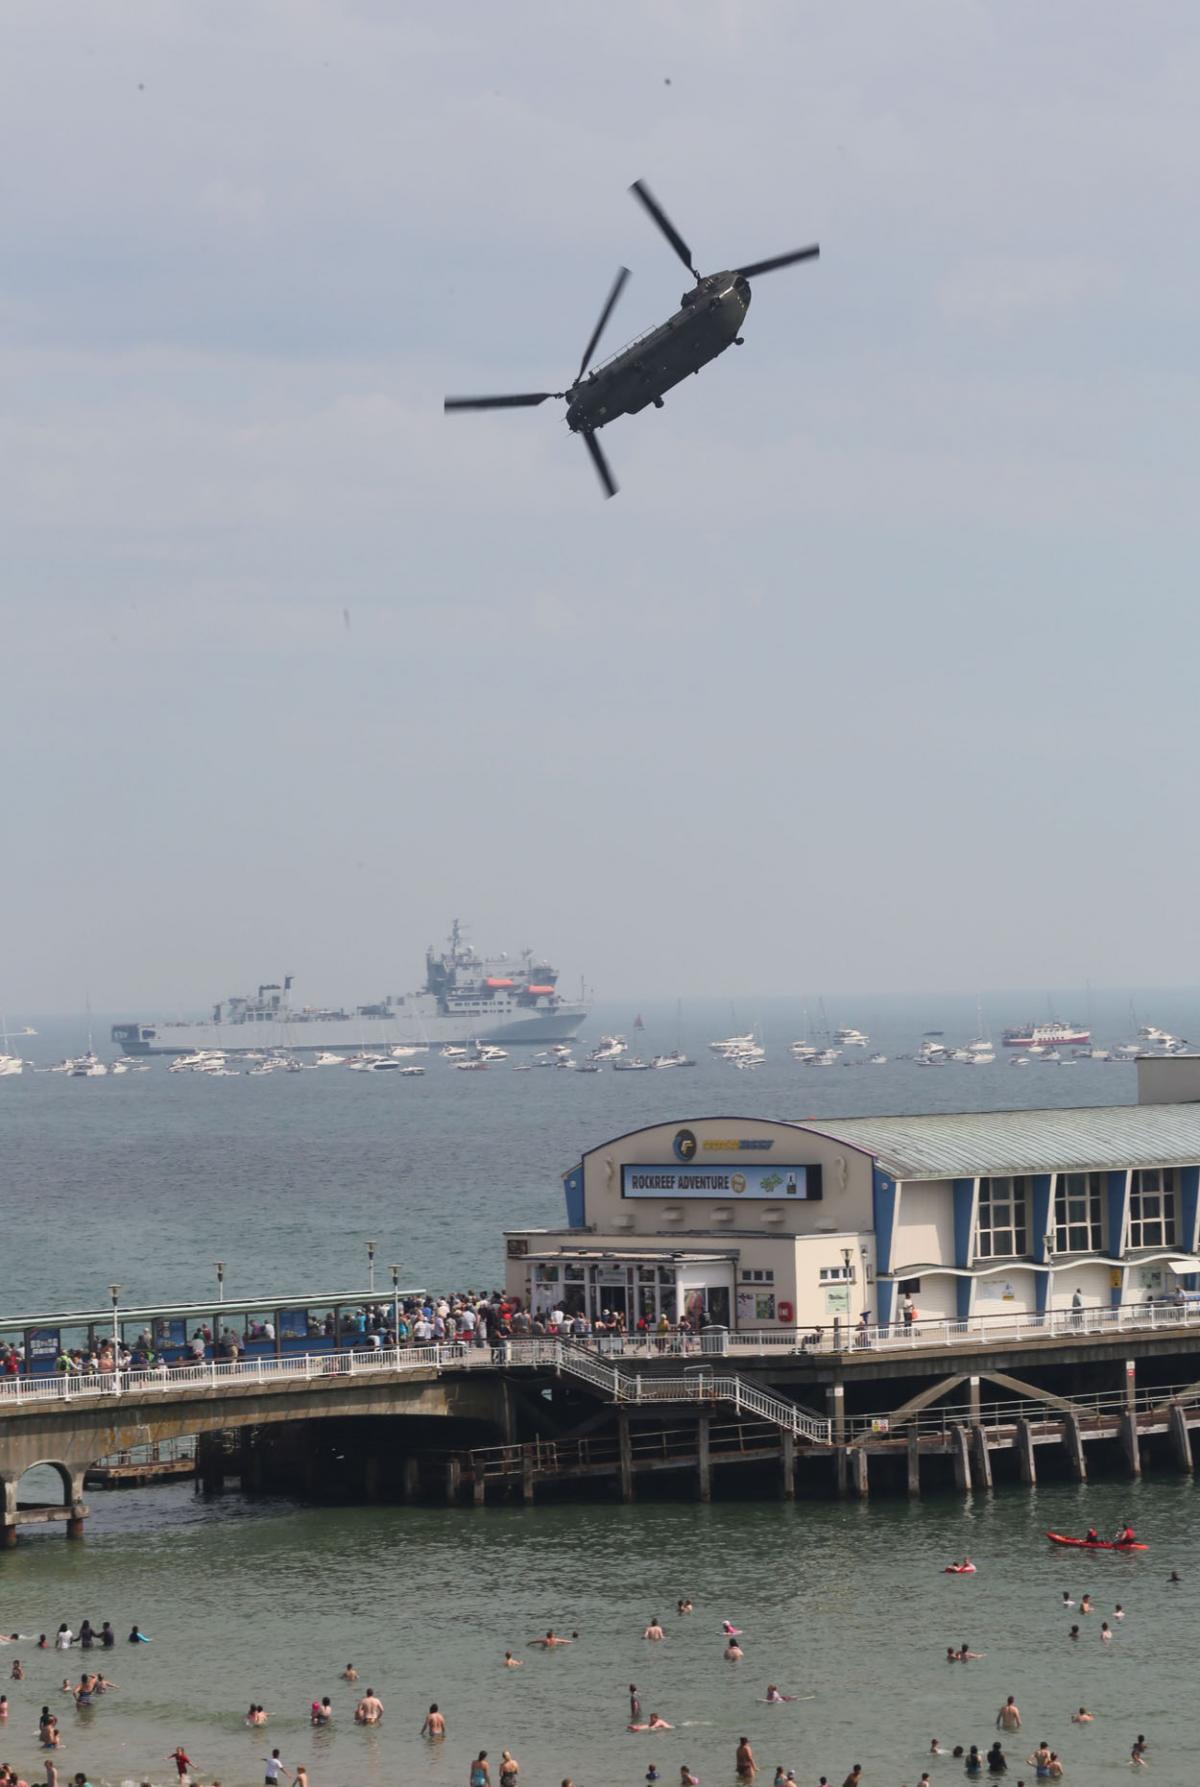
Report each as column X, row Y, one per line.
column 770, row 1226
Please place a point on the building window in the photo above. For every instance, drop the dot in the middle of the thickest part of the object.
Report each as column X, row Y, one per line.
column 758, row 1275
column 910, row 1287
column 836, row 1275
column 1002, row 1230
column 1079, row 1213
column 1152, row 1208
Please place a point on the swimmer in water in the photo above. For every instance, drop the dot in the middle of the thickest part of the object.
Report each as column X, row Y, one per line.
column 435, row 1723
column 684, row 1606
column 966, row 1655
column 935, row 1749
column 654, row 1631
column 1074, row 1632
column 1118, row 1611
column 1137, row 1755
column 369, row 1710
column 1082, row 1717
column 1105, row 1632
column 733, row 1651
column 1085, row 1604
column 550, row 1642
column 349, row 1673
column 1174, row 1576
column 774, row 1697
column 730, row 1630
column 511, row 1662
column 653, row 1723
column 1067, row 1600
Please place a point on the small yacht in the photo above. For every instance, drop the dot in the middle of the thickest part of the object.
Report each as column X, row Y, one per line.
column 609, row 1048
column 804, row 1051
column 87, row 1067
column 824, row 1058
column 877, row 1061
column 676, row 1059
column 329, row 1058
column 452, row 1052
column 851, row 1039
column 471, row 1066
column 412, row 1070
column 11, row 1064
column 634, row 1064
column 731, row 1045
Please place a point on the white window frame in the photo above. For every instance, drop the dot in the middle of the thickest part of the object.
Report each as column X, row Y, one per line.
column 1153, row 1208
column 1009, row 1193
column 1074, row 1234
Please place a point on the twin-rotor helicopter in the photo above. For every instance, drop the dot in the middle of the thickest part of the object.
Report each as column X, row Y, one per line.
column 708, row 321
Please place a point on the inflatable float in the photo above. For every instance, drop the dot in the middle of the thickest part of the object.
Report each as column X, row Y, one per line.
column 1097, row 1544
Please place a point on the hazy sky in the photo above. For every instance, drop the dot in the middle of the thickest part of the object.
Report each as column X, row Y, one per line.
column 880, row 671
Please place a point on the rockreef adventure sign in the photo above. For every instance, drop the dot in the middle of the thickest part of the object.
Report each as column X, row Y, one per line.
column 733, row 1181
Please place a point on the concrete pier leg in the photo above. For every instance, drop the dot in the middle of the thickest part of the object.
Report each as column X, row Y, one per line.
column 787, row 1467
column 835, row 1403
column 1130, row 1442
column 411, row 1479
column 960, row 1453
column 1025, row 1456
column 453, row 1480
column 508, row 1414
column 626, row 1455
column 1073, row 1441
column 973, row 1392
column 8, row 1512
column 981, row 1458
column 704, row 1458
column 74, row 1525
column 859, row 1466
column 913, row 1461
column 1181, row 1437
column 1131, row 1383
column 527, row 1483
column 8, row 1536
column 841, row 1465
column 479, row 1489
column 373, row 1478
column 210, row 1463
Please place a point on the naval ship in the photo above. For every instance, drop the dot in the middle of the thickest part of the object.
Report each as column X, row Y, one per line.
column 466, row 998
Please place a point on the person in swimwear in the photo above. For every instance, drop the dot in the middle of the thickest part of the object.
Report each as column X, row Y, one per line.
column 1118, row 1611
column 1040, row 1760
column 774, row 1697
column 369, row 1710
column 1085, row 1604
column 684, row 1606
column 435, row 1724
column 935, row 1749
column 1074, row 1632
column 1067, row 1601
column 966, row 1655
column 1082, row 1717
column 1137, row 1755
column 349, row 1673
column 997, row 1762
column 550, row 1641
column 733, row 1651
column 511, row 1662
column 1174, row 1576
column 730, row 1630
column 654, row 1631
column 973, row 1764
column 686, row 1777
column 653, row 1723
column 1105, row 1632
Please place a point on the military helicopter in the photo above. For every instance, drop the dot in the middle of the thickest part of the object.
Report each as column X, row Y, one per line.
column 706, row 323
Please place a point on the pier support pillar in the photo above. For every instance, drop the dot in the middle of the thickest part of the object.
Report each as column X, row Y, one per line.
column 1073, row 1441
column 835, row 1404
column 703, row 1459
column 1181, row 1438
column 210, row 1463
column 372, row 1477
column 1131, row 1384
column 841, row 1468
column 1025, row 1457
column 961, row 1456
column 981, row 1458
column 74, row 1525
column 527, row 1481
column 411, row 1479
column 626, row 1455
column 8, row 1512
column 973, row 1392
column 913, row 1461
column 859, row 1466
column 508, row 1413
column 787, row 1466
column 453, row 1480
column 8, row 1536
column 1130, row 1442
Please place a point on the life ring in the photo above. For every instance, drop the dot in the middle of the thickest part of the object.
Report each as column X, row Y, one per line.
column 786, row 1312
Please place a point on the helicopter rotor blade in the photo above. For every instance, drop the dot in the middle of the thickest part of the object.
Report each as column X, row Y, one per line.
column 603, row 470
column 525, row 400
column 642, row 192
column 597, row 332
column 780, row 260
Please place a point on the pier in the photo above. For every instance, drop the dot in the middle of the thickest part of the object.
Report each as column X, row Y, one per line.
column 683, row 1415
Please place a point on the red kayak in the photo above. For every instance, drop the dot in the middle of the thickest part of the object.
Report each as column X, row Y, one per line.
column 1096, row 1544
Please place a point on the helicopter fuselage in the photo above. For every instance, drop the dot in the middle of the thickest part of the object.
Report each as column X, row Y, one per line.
column 708, row 321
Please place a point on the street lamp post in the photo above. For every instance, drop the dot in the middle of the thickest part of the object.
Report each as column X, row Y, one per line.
column 371, row 1266
column 396, row 1303
column 220, row 1265
column 114, row 1291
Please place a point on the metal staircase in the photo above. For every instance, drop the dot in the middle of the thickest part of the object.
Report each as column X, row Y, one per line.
column 698, row 1386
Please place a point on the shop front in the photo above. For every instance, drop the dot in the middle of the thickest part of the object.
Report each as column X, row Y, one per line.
column 634, row 1286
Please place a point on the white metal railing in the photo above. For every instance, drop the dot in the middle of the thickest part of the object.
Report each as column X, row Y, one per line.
column 1069, row 1324
column 216, row 1374
column 1104, row 1405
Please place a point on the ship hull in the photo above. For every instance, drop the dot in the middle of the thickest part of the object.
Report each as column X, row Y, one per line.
column 299, row 1035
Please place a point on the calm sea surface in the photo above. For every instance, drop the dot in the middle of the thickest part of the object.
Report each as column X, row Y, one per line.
column 147, row 1179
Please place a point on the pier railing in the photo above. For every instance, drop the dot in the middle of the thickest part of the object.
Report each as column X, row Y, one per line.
column 1104, row 1406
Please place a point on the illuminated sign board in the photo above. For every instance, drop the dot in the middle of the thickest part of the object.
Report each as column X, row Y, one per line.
column 777, row 1182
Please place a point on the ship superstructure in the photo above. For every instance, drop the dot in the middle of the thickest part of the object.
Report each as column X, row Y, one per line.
column 466, row 998
column 1046, row 1036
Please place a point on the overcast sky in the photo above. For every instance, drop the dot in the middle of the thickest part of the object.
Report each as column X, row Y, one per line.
column 880, row 671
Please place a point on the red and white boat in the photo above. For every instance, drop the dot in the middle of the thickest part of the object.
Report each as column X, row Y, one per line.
column 1046, row 1036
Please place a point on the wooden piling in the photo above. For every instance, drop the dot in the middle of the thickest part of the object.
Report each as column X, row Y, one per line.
column 1181, row 1437
column 981, row 1458
column 453, row 1480
column 841, row 1468
column 858, row 1459
column 1131, row 1443
column 527, row 1482
column 787, row 1465
column 626, row 1455
column 1073, row 1441
column 1025, row 1457
column 961, row 1456
column 703, row 1459
column 913, row 1457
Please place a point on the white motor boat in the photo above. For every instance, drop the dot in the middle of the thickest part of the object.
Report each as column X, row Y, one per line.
column 804, row 1051
column 452, row 1052
column 412, row 1070
column 11, row 1064
column 634, row 1064
column 877, row 1061
column 851, row 1039
column 732, row 1045
column 824, row 1058
column 609, row 1048
column 329, row 1058
column 676, row 1059
column 87, row 1067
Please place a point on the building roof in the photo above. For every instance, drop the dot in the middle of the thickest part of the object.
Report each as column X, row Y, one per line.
column 951, row 1145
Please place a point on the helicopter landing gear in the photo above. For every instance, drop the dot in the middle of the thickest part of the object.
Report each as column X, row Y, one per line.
column 658, row 403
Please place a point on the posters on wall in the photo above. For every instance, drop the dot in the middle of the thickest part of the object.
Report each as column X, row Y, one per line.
column 754, row 1306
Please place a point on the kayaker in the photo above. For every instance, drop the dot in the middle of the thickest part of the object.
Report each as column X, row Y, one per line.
column 1091, row 1537
column 1126, row 1535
